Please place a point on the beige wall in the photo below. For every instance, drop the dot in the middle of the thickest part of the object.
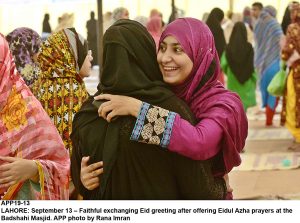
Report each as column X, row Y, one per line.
column 31, row 15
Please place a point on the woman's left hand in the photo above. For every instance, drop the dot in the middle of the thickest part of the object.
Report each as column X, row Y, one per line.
column 118, row 105
column 16, row 170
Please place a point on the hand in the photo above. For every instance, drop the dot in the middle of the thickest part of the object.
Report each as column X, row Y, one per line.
column 16, row 170
column 118, row 105
column 89, row 174
column 226, row 178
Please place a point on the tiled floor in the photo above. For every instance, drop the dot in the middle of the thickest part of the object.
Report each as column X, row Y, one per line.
column 266, row 184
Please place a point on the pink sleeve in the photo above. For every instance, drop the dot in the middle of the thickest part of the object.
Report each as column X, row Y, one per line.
column 199, row 142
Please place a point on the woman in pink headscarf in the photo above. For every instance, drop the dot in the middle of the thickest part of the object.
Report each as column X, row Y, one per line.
column 189, row 62
column 34, row 163
column 154, row 27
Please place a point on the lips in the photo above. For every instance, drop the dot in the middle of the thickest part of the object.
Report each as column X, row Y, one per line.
column 169, row 68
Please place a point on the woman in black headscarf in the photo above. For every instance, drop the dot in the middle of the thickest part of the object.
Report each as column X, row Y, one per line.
column 133, row 170
column 214, row 23
column 238, row 65
column 286, row 20
column 46, row 27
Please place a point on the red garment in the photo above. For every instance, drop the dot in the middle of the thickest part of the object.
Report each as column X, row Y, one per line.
column 27, row 132
column 270, row 113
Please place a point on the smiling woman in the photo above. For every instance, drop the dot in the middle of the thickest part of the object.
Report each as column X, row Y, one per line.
column 189, row 62
column 129, row 170
column 174, row 64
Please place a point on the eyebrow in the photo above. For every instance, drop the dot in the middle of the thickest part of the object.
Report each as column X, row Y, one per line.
column 173, row 44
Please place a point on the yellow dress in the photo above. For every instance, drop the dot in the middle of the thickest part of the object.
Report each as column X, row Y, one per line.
column 59, row 88
column 291, row 108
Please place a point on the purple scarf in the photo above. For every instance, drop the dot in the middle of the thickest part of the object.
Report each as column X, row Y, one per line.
column 212, row 100
column 24, row 43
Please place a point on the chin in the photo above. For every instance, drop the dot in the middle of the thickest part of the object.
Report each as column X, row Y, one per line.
column 169, row 81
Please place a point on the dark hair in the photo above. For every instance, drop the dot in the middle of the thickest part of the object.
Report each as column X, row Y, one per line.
column 258, row 5
column 92, row 14
column 47, row 16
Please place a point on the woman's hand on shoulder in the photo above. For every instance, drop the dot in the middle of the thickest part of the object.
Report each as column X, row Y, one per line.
column 89, row 174
column 118, row 105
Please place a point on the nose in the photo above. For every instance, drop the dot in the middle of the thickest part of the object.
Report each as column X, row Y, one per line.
column 166, row 57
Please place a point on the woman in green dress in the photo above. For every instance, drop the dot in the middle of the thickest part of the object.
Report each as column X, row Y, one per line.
column 237, row 63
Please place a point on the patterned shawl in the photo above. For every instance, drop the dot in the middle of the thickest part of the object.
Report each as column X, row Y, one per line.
column 267, row 34
column 27, row 132
column 24, row 43
column 292, row 33
column 60, row 89
column 295, row 12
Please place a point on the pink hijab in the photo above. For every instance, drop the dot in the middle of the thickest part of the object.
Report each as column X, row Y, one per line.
column 210, row 100
column 27, row 132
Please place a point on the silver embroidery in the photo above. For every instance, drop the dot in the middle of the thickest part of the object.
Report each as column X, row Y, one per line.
column 152, row 114
column 147, row 131
column 159, row 126
column 154, row 140
column 155, row 127
column 163, row 112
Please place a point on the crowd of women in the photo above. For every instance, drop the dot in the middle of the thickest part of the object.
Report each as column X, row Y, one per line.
column 161, row 125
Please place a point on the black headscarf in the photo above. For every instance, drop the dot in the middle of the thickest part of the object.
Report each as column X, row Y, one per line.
column 129, row 68
column 46, row 25
column 129, row 64
column 239, row 53
column 214, row 23
column 286, row 20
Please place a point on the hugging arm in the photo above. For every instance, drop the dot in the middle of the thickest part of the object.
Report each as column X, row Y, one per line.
column 155, row 125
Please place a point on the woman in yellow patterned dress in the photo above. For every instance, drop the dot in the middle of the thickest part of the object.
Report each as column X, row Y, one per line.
column 290, row 115
column 64, row 61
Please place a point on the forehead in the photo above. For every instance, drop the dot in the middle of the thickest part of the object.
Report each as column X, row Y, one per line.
column 170, row 40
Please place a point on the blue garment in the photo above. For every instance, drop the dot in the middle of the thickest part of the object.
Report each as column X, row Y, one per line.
column 266, row 78
column 267, row 35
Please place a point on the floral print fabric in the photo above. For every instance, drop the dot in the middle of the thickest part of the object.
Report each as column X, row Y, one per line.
column 60, row 89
